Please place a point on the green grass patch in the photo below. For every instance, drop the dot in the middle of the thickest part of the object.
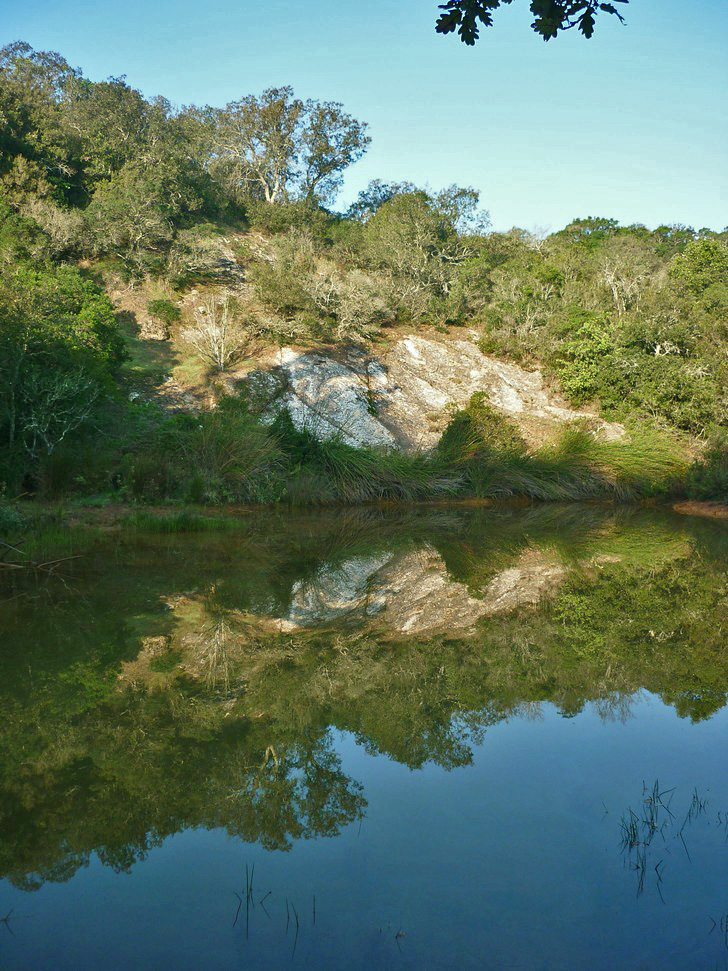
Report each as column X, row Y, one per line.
column 493, row 461
column 43, row 545
column 180, row 522
column 164, row 663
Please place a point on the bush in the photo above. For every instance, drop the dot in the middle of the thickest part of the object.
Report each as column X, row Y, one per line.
column 283, row 282
column 708, row 478
column 11, row 520
column 60, row 351
column 358, row 474
column 286, row 216
column 479, row 428
column 148, row 475
column 493, row 461
column 164, row 310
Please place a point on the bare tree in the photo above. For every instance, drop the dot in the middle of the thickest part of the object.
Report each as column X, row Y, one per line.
column 56, row 405
column 218, row 334
column 625, row 283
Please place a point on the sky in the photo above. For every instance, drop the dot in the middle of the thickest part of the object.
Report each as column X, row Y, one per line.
column 632, row 124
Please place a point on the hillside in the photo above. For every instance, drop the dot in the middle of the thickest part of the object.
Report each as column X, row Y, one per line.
column 184, row 315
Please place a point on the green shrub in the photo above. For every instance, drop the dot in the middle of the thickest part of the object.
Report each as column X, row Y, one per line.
column 348, row 474
column 164, row 310
column 708, row 478
column 226, row 455
column 11, row 519
column 478, row 428
column 493, row 461
column 148, row 475
column 281, row 218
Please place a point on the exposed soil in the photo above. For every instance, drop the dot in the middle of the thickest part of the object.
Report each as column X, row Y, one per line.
column 710, row 510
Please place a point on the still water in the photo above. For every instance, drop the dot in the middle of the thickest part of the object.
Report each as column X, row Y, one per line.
column 434, row 738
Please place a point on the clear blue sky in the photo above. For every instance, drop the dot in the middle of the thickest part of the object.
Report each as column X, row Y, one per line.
column 632, row 124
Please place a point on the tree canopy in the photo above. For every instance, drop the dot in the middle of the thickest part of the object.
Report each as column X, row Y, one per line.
column 550, row 16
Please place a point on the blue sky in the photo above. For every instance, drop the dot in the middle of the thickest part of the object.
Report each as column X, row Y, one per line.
column 632, row 124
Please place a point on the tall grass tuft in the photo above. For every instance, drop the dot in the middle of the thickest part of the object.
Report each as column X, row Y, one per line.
column 342, row 473
column 577, row 466
column 227, row 455
column 364, row 474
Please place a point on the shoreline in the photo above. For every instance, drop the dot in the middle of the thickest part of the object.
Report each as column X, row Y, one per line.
column 708, row 509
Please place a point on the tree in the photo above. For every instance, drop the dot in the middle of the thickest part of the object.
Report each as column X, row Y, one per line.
column 373, row 197
column 59, row 349
column 109, row 121
column 132, row 216
column 275, row 146
column 332, row 141
column 218, row 334
column 256, row 137
column 36, row 153
column 702, row 265
column 550, row 16
column 416, row 239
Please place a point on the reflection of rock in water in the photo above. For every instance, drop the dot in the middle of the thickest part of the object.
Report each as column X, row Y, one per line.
column 336, row 592
column 414, row 594
column 524, row 584
column 422, row 599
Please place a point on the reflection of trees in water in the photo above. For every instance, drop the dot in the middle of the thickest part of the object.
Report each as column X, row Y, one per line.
column 227, row 726
column 615, row 707
column 139, row 792
column 297, row 791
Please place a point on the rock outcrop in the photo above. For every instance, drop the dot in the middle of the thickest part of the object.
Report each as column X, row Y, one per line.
column 405, row 397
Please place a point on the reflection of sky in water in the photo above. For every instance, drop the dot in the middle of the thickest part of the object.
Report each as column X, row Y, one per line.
column 513, row 861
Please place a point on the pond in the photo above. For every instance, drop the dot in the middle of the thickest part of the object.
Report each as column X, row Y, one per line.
column 433, row 737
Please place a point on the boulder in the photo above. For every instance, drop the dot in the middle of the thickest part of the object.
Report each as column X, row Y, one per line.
column 152, row 329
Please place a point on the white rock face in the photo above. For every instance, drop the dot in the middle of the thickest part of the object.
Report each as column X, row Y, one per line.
column 329, row 398
column 406, row 398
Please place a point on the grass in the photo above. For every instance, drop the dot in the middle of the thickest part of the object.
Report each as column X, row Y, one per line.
column 183, row 521
column 228, row 455
column 366, row 474
column 577, row 467
column 44, row 546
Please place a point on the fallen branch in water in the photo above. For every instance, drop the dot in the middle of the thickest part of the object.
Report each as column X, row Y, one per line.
column 47, row 566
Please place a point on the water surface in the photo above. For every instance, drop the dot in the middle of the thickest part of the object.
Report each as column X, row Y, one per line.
column 434, row 738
